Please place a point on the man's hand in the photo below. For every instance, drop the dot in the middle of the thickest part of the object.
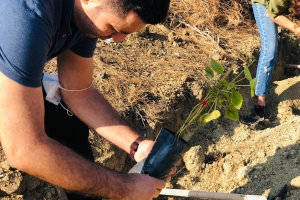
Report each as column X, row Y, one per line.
column 143, row 151
column 144, row 187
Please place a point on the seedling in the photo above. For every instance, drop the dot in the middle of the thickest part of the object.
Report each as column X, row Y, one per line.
column 222, row 95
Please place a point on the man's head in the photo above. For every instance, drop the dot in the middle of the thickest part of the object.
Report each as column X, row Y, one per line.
column 117, row 18
column 149, row 11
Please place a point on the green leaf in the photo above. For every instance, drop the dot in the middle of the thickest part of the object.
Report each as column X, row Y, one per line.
column 253, row 83
column 247, row 74
column 232, row 113
column 223, row 82
column 207, row 117
column 209, row 72
column 226, row 94
column 202, row 117
column 236, row 99
column 216, row 66
column 230, row 86
column 220, row 102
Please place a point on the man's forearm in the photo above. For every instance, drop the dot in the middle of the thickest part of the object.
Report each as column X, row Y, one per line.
column 92, row 108
column 58, row 165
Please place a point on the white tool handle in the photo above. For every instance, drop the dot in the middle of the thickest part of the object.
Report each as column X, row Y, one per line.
column 209, row 195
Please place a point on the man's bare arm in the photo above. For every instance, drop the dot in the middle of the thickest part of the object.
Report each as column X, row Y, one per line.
column 76, row 73
column 28, row 148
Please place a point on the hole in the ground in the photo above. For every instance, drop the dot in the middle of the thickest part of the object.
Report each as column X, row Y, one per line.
column 296, row 111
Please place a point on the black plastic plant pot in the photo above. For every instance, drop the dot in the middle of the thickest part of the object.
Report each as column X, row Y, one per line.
column 166, row 152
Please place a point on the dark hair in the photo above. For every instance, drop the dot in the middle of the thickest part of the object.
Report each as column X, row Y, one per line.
column 149, row 11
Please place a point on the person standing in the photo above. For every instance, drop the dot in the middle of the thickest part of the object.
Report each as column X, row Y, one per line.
column 269, row 14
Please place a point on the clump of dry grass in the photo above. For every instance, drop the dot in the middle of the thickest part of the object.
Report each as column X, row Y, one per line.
column 214, row 24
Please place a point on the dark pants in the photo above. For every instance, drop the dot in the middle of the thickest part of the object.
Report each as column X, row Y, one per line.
column 69, row 131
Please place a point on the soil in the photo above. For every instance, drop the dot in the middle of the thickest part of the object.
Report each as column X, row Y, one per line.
column 156, row 76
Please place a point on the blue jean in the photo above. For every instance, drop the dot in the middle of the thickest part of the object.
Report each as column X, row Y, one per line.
column 268, row 32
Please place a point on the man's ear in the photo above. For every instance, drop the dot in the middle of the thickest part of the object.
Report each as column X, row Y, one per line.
column 84, row 1
column 89, row 1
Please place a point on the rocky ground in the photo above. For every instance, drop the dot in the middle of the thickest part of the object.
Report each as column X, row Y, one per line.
column 155, row 77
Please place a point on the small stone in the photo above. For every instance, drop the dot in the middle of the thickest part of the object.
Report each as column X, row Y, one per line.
column 243, row 172
column 194, row 158
column 259, row 168
column 295, row 182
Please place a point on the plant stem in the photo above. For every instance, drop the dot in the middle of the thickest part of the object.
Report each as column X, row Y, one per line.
column 240, row 80
column 194, row 115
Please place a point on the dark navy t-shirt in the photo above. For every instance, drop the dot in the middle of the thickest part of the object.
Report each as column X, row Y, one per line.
column 34, row 31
